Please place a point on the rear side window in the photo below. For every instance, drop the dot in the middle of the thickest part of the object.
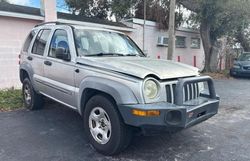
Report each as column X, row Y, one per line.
column 40, row 42
column 28, row 40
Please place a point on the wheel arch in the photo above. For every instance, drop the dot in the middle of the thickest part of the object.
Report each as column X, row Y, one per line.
column 117, row 92
column 25, row 71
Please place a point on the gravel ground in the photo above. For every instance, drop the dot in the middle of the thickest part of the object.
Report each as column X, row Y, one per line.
column 56, row 134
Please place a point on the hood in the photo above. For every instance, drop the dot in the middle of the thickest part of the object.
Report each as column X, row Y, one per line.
column 243, row 63
column 141, row 66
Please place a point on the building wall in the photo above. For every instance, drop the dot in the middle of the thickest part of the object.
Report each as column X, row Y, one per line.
column 186, row 55
column 12, row 35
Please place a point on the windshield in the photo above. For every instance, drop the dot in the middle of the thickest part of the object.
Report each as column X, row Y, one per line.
column 244, row 57
column 104, row 43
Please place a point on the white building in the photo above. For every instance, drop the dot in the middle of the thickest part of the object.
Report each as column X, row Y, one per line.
column 189, row 49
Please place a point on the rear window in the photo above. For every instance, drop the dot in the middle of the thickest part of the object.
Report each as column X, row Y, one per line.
column 28, row 40
column 40, row 42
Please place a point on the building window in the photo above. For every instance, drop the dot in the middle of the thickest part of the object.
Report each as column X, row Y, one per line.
column 195, row 43
column 162, row 41
column 180, row 42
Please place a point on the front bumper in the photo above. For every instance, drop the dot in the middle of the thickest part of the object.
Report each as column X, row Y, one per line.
column 175, row 116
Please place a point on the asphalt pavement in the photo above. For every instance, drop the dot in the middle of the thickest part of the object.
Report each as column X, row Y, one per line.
column 56, row 134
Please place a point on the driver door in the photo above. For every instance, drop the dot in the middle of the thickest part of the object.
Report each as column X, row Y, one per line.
column 59, row 72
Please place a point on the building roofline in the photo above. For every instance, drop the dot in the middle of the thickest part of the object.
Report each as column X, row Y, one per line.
column 21, row 15
column 74, row 22
column 153, row 23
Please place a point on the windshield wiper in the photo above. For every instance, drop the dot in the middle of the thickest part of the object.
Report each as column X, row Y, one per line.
column 130, row 55
column 105, row 54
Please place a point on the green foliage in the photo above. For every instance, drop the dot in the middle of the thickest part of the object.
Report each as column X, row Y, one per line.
column 224, row 16
column 122, row 9
column 157, row 11
column 10, row 99
column 217, row 18
column 90, row 8
column 242, row 36
column 100, row 9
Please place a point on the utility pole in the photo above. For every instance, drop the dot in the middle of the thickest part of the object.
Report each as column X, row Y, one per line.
column 144, row 23
column 171, row 30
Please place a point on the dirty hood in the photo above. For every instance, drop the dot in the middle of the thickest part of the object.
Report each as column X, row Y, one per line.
column 140, row 67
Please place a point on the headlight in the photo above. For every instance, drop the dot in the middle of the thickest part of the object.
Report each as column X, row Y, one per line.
column 151, row 88
column 236, row 66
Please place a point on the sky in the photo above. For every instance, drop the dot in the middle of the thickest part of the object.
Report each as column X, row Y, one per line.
column 36, row 3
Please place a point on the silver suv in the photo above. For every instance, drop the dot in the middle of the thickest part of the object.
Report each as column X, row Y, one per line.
column 103, row 75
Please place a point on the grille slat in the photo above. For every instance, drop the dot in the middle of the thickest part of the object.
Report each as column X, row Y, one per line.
column 188, row 87
column 172, row 94
column 168, row 93
column 192, row 91
column 197, row 90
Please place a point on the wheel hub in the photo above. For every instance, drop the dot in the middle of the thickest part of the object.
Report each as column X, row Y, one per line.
column 100, row 125
column 27, row 94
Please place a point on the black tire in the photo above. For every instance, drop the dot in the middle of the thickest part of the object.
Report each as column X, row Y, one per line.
column 36, row 100
column 121, row 134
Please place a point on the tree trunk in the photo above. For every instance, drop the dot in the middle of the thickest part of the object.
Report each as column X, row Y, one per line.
column 205, row 28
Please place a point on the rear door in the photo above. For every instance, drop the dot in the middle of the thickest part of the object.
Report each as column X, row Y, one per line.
column 60, row 73
column 36, row 57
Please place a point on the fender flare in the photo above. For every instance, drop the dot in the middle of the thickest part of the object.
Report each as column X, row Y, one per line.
column 121, row 93
column 28, row 68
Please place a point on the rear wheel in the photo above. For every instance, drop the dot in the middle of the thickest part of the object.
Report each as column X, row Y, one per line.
column 104, row 126
column 32, row 100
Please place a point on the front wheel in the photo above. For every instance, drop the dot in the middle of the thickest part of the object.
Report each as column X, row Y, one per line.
column 104, row 126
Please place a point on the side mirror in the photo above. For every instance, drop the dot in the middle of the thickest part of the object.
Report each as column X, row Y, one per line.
column 61, row 53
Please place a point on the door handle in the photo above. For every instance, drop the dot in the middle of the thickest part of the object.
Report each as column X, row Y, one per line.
column 29, row 58
column 77, row 70
column 47, row 63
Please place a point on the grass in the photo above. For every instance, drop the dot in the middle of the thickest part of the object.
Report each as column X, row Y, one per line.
column 10, row 99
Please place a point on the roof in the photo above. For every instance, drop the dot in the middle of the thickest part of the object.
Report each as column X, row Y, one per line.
column 67, row 16
column 77, row 26
column 12, row 8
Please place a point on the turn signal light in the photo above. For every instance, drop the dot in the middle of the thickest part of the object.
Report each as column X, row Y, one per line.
column 146, row 112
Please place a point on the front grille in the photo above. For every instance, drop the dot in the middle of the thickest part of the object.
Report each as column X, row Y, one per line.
column 190, row 91
column 246, row 67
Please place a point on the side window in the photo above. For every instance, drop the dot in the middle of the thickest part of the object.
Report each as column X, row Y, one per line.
column 28, row 40
column 195, row 43
column 40, row 42
column 59, row 40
